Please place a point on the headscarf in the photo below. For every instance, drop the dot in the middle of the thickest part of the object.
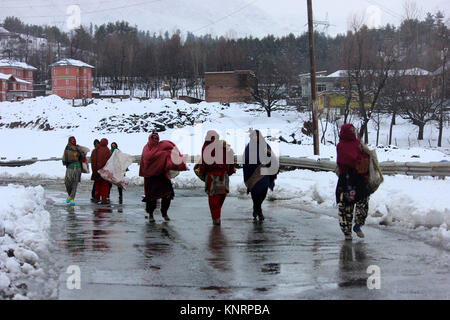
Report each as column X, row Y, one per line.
column 212, row 140
column 72, row 141
column 114, row 148
column 348, row 149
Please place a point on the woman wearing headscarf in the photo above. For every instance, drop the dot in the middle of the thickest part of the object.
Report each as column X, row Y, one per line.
column 260, row 170
column 114, row 147
column 157, row 160
column 352, row 193
column 217, row 164
column 96, row 145
column 99, row 158
column 72, row 159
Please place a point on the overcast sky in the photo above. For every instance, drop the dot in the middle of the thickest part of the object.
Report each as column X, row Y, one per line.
column 284, row 15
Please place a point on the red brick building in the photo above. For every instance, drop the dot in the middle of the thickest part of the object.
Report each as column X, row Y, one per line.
column 16, row 80
column 72, row 79
column 229, row 86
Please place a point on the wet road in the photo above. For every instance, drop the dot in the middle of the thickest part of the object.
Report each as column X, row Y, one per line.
column 296, row 253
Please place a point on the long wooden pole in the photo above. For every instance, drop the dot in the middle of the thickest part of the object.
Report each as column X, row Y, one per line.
column 313, row 79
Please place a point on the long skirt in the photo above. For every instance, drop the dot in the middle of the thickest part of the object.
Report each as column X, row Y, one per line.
column 71, row 180
column 101, row 189
column 158, row 187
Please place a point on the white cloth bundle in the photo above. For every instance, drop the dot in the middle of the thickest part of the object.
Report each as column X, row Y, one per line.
column 114, row 170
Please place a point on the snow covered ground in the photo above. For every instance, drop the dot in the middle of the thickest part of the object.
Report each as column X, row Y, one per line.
column 40, row 128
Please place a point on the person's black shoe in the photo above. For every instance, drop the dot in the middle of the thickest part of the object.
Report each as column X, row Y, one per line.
column 166, row 217
column 261, row 217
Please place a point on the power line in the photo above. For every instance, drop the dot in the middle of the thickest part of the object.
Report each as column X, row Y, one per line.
column 98, row 10
column 385, row 9
column 227, row 16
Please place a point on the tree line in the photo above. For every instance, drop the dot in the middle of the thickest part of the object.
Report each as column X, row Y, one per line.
column 128, row 58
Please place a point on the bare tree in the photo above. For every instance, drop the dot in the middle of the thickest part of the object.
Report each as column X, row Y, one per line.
column 273, row 80
column 369, row 66
column 417, row 103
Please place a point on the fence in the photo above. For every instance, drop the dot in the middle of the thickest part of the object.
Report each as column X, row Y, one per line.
column 433, row 169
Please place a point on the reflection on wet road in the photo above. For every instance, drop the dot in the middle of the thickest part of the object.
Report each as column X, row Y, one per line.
column 293, row 254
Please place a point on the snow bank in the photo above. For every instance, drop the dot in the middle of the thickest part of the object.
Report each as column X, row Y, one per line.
column 24, row 238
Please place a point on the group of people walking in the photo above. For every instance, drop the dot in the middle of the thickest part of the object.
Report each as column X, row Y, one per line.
column 73, row 158
column 161, row 160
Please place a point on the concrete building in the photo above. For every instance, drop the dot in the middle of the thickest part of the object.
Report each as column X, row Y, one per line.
column 229, row 86
column 72, row 79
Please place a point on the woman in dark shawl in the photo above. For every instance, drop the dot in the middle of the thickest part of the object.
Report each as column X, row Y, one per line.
column 260, row 170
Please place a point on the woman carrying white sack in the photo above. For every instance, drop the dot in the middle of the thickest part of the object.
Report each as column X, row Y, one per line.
column 115, row 168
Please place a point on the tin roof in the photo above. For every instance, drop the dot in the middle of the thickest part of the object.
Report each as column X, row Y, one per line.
column 15, row 63
column 71, row 62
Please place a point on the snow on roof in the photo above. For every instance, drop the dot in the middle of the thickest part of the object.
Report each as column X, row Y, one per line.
column 415, row 72
column 15, row 63
column 71, row 62
column 439, row 70
column 4, row 76
column 339, row 73
column 407, row 72
column 4, row 31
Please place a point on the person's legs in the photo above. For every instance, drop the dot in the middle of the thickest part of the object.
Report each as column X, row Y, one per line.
column 101, row 190
column 215, row 206
column 68, row 185
column 165, row 204
column 258, row 199
column 361, row 211
column 150, row 206
column 346, row 218
column 93, row 191
column 120, row 194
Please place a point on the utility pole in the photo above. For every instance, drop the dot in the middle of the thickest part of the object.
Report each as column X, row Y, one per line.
column 313, row 79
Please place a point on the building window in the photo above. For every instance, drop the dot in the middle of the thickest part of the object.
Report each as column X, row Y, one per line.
column 30, row 74
column 67, row 92
column 84, row 70
column 54, row 71
column 67, row 70
column 321, row 87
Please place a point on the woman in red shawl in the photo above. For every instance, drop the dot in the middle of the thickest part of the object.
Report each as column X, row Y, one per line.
column 157, row 160
column 352, row 192
column 99, row 158
column 217, row 169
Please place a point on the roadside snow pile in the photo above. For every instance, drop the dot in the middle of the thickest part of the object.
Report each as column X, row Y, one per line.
column 24, row 239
